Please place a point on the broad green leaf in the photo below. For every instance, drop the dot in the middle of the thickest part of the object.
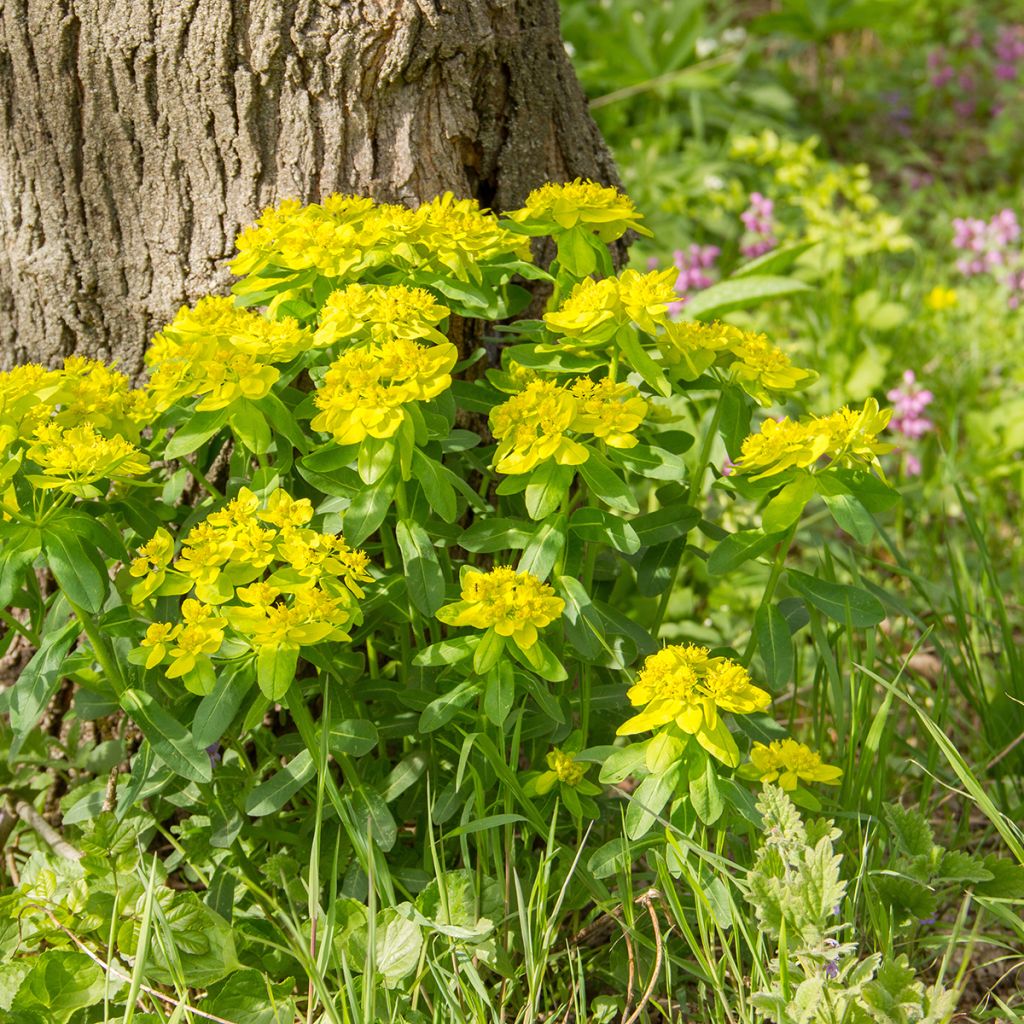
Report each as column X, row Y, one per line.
column 270, row 796
column 785, row 508
column 18, row 552
column 435, row 481
column 650, row 461
column 839, row 601
column 738, row 548
column 169, row 739
column 851, row 516
column 775, row 645
column 352, row 736
column 197, row 430
column 489, row 535
column 368, row 509
column 647, row 802
column 423, row 576
column 58, row 983
column 665, row 524
column 499, row 693
column 77, row 567
column 607, row 485
column 545, row 546
column 443, row 709
column 741, row 293
column 637, row 356
column 39, row 679
column 704, row 793
column 217, row 709
column 600, row 527
column 250, row 426
column 398, row 946
column 275, row 670
column 775, row 262
column 548, row 485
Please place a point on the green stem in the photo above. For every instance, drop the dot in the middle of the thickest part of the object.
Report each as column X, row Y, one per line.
column 19, row 627
column 193, row 468
column 104, row 655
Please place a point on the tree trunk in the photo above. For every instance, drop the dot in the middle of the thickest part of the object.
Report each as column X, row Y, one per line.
column 137, row 138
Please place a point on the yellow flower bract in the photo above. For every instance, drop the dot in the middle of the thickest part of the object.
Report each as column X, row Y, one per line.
column 558, row 207
column 790, row 763
column 514, row 604
column 365, row 389
column 684, row 685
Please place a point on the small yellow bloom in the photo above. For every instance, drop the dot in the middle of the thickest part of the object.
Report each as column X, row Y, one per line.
column 684, row 685
column 555, row 207
column 73, row 458
column 513, row 604
column 380, row 313
column 853, row 434
column 791, row 762
column 285, row 512
column 645, row 298
column 780, row 445
column 151, row 564
column 531, row 428
column 761, row 368
column 365, row 389
column 591, row 314
column 608, row 410
column 158, row 637
column 940, row 299
column 689, row 347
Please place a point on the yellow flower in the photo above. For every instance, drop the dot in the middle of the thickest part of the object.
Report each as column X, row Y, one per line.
column 73, row 458
column 790, row 762
column 151, row 563
column 365, row 388
column 513, row 604
column 201, row 634
column 554, row 208
column 88, row 391
column 608, row 410
column 314, row 616
column 645, row 297
column 231, row 378
column 940, row 299
column 781, row 445
column 285, row 512
column 761, row 368
column 530, row 428
column 563, row 769
column 591, row 314
column 156, row 641
column 690, row 347
column 380, row 313
column 853, row 434
column 684, row 685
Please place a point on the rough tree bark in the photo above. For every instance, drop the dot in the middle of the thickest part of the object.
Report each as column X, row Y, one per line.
column 138, row 136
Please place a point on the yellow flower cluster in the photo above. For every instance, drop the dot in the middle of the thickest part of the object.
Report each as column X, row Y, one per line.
column 256, row 566
column 554, row 208
column 72, row 459
column 532, row 426
column 380, row 313
column 684, row 685
column 790, row 763
column 82, row 391
column 595, row 310
column 514, row 604
column 365, row 389
column 940, row 299
column 220, row 353
column 689, row 348
column 847, row 437
column 345, row 236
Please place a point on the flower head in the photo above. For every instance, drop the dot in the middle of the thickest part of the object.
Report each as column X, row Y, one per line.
column 72, row 459
column 380, row 313
column 610, row 411
column 685, row 686
column 513, row 604
column 557, row 207
column 761, row 368
column 790, row 763
column 531, row 428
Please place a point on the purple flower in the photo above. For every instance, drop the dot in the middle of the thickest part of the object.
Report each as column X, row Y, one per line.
column 758, row 219
column 214, row 751
column 832, row 970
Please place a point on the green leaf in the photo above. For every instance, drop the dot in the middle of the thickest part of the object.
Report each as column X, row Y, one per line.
column 170, row 740
column 657, row 565
column 703, row 780
column 398, row 946
column 270, row 796
column 217, row 709
column 78, row 568
column 738, row 548
column 446, row 652
column 368, row 509
column 648, row 801
column 275, row 670
column 489, row 535
column 499, row 693
column 433, row 478
column 58, row 983
column 352, row 736
column 850, row 515
column 548, row 486
column 741, row 293
column 775, row 262
column 197, row 430
column 249, row 425
column 650, row 462
column 636, row 355
column 665, row 524
column 785, row 508
column 545, row 546
column 584, row 626
column 39, row 679
column 443, row 709
column 600, row 527
column 19, row 551
column 485, row 824
column 606, row 484
column 423, row 576
column 775, row 645
column 839, row 601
